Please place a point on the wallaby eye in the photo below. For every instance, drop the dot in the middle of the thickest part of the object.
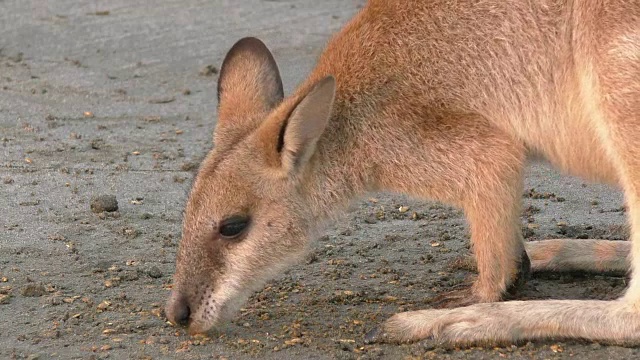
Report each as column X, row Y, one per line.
column 232, row 227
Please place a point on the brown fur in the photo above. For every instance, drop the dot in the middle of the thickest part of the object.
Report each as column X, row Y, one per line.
column 463, row 91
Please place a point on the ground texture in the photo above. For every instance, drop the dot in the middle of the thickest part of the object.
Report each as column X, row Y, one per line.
column 117, row 98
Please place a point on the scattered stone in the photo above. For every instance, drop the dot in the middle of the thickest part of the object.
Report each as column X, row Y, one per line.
column 154, row 272
column 533, row 194
column 113, row 282
column 162, row 100
column 189, row 166
column 35, row 356
column 55, row 301
column 528, row 231
column 130, row 276
column 4, row 299
column 130, row 232
column 371, row 219
column 96, row 144
column 103, row 203
column 103, row 305
column 311, row 258
column 33, row 290
column 208, row 70
column 16, row 58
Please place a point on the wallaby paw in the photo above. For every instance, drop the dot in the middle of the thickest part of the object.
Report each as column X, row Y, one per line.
column 445, row 327
column 469, row 293
column 407, row 327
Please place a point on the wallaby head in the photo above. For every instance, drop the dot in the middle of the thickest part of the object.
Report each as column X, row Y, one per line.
column 247, row 216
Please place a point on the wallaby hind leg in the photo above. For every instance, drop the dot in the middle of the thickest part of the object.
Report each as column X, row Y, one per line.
column 617, row 121
column 621, row 130
column 614, row 322
column 574, row 255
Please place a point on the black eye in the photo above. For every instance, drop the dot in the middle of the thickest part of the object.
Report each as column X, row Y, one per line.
column 234, row 226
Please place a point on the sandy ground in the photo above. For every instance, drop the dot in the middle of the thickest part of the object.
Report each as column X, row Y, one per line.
column 110, row 97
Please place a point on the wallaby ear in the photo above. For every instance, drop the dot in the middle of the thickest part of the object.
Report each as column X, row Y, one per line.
column 249, row 81
column 306, row 123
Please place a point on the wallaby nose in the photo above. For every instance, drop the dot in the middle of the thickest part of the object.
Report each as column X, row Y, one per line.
column 178, row 310
column 182, row 314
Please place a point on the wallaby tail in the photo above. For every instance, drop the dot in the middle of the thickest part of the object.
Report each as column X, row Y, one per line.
column 589, row 255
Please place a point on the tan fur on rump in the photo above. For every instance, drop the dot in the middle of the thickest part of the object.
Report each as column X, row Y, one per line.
column 464, row 90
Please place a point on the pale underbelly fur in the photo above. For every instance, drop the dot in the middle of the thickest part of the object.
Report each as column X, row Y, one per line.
column 573, row 146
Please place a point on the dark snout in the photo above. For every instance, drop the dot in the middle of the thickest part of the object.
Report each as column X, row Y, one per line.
column 178, row 310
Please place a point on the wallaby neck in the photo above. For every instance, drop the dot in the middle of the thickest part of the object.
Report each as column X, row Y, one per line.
column 345, row 163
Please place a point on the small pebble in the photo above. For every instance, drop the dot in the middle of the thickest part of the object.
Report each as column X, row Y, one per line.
column 371, row 219
column 154, row 272
column 208, row 70
column 97, row 143
column 189, row 166
column 162, row 100
column 33, row 290
column 103, row 203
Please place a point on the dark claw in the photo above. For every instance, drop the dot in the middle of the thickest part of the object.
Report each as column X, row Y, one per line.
column 524, row 274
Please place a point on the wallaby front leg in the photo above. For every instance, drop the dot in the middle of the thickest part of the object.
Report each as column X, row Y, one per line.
column 492, row 208
column 497, row 241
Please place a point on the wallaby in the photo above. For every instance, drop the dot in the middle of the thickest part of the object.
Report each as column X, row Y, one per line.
column 465, row 91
